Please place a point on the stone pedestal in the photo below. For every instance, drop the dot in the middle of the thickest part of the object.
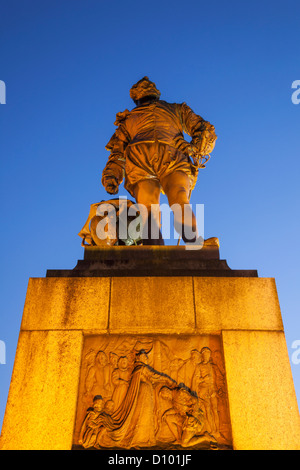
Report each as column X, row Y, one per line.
column 172, row 304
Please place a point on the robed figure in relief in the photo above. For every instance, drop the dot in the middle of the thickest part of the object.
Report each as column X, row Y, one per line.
column 133, row 422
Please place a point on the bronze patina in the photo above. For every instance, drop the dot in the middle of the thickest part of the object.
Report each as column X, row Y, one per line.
column 149, row 152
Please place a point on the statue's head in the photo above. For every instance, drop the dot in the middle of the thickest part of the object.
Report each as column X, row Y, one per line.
column 142, row 89
column 98, row 403
column 206, row 354
column 141, row 356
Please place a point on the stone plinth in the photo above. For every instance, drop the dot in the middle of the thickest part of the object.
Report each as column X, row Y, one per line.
column 154, row 261
column 70, row 316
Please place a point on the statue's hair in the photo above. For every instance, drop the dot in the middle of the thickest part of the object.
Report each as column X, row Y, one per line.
column 140, row 352
column 142, row 88
column 97, row 397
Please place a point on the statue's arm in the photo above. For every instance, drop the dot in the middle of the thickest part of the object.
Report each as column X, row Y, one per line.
column 191, row 122
column 113, row 173
column 202, row 132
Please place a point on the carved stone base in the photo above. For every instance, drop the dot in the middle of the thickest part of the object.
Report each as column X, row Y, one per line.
column 214, row 372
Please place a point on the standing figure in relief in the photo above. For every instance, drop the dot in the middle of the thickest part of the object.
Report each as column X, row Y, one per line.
column 120, row 379
column 97, row 381
column 186, row 372
column 204, row 384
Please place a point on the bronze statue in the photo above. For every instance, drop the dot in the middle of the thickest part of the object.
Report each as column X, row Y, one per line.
column 149, row 149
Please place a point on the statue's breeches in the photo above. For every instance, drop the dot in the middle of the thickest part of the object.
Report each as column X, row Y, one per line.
column 154, row 160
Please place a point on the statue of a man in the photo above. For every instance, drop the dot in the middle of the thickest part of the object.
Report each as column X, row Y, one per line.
column 149, row 148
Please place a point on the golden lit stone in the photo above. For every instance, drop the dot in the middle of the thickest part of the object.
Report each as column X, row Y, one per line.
column 62, row 315
column 66, row 303
column 263, row 406
column 43, row 393
column 236, row 303
column 156, row 304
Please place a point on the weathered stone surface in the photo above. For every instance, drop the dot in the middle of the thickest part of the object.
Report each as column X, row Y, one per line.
column 43, row 394
column 68, row 303
column 263, row 406
column 236, row 304
column 152, row 304
column 60, row 312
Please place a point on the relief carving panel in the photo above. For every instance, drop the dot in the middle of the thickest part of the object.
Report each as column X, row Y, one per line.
column 160, row 392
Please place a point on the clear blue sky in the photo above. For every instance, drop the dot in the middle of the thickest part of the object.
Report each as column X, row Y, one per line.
column 68, row 66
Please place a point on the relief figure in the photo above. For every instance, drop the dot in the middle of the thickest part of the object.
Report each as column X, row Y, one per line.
column 135, row 417
column 120, row 380
column 204, row 383
column 186, row 372
column 142, row 407
column 95, row 421
column 98, row 376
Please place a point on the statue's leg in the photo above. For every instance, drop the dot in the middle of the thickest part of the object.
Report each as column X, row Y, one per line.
column 176, row 186
column 147, row 193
